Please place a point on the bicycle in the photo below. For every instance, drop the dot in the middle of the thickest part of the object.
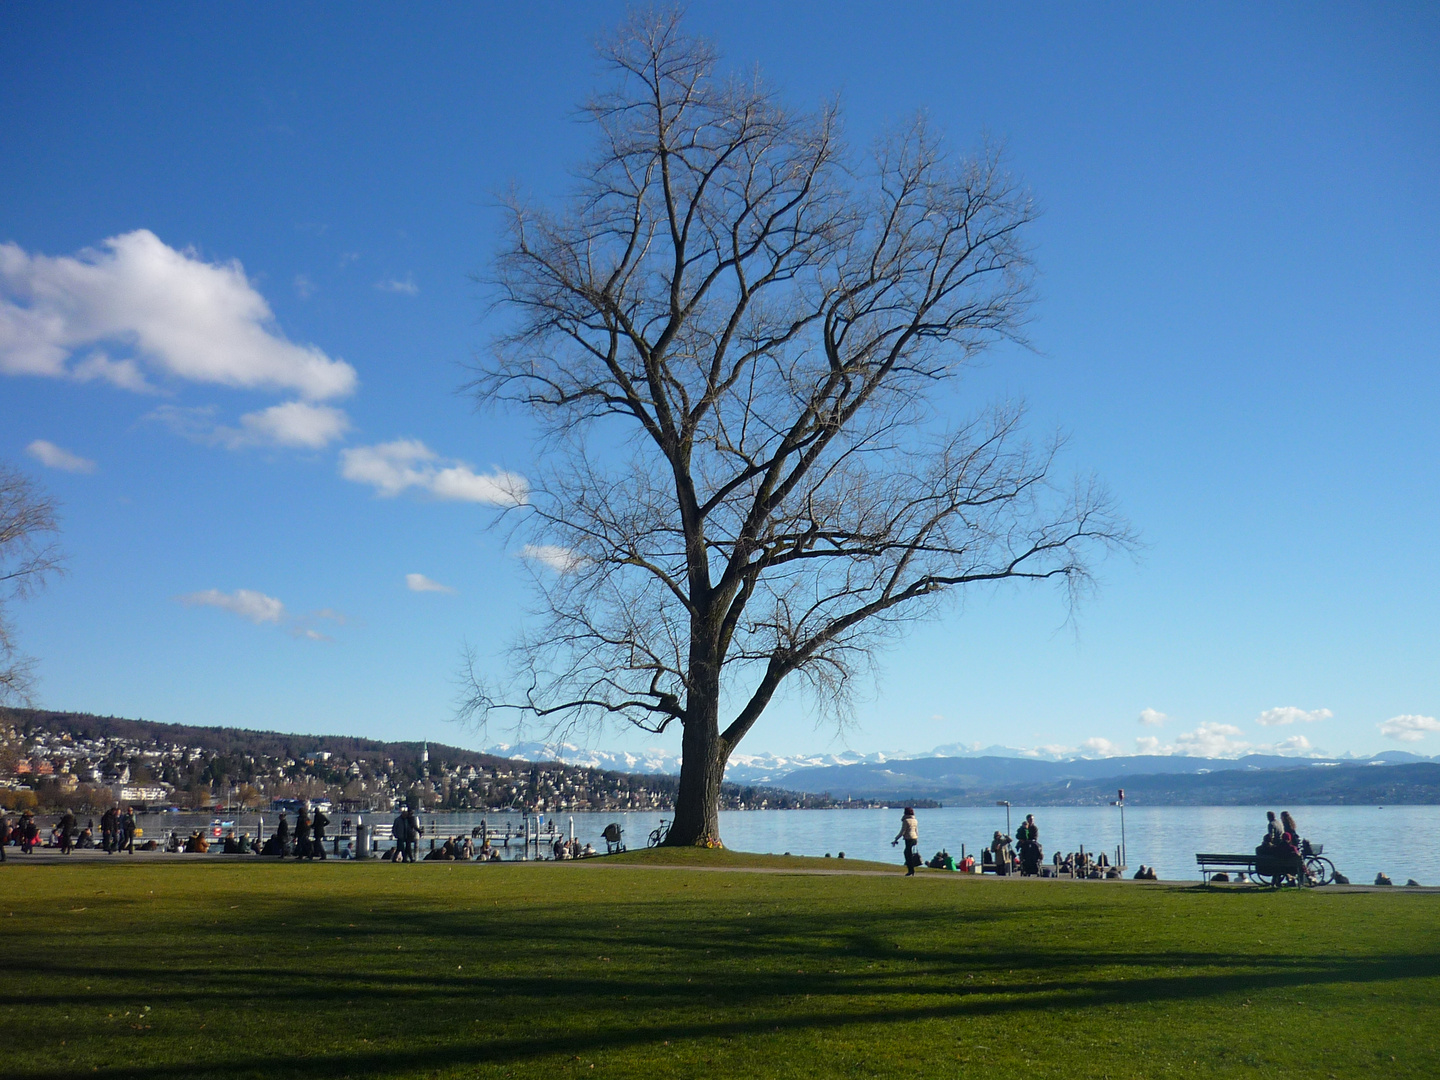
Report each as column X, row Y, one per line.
column 659, row 836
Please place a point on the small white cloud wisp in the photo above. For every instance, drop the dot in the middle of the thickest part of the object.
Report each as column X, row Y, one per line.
column 1410, row 727
column 247, row 603
column 560, row 559
column 393, row 467
column 297, row 425
column 1152, row 717
column 260, row 609
column 421, row 583
column 1289, row 714
column 55, row 457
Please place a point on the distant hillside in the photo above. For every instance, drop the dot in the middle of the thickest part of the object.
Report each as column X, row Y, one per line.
column 1168, row 781
column 76, row 759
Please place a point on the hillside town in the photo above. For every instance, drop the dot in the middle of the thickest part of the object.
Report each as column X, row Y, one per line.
column 52, row 760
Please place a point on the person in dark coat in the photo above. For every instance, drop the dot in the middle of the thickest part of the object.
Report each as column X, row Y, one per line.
column 4, row 834
column 107, row 830
column 29, row 832
column 66, row 825
column 127, row 831
column 302, row 832
column 317, row 847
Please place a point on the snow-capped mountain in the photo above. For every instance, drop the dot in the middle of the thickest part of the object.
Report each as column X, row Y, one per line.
column 774, row 768
column 743, row 768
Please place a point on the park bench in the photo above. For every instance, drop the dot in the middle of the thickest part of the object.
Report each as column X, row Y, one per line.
column 1213, row 863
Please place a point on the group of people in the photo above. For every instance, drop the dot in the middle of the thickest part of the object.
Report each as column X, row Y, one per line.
column 117, row 831
column 1020, row 854
column 1282, row 836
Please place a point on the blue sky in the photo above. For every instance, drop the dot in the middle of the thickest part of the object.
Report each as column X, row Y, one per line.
column 239, row 243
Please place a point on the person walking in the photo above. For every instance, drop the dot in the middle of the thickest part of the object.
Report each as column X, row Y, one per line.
column 282, row 837
column 317, row 826
column 302, row 832
column 66, row 825
column 398, row 831
column 910, row 833
column 127, row 830
column 29, row 832
column 107, row 830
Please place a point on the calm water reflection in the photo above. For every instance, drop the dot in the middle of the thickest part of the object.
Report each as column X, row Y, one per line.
column 1402, row 841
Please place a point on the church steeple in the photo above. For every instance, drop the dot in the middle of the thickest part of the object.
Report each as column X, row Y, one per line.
column 425, row 760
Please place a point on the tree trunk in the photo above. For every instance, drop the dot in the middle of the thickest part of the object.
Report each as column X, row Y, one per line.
column 702, row 767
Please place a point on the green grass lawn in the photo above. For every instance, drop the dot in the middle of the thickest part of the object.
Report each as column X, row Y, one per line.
column 178, row 969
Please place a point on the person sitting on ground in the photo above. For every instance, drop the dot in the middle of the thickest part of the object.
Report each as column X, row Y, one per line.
column 494, row 854
column 1140, row 874
column 967, row 864
column 467, row 849
column 172, row 842
column 589, row 850
column 86, row 840
column 232, row 843
column 1103, row 860
column 346, row 853
column 197, row 844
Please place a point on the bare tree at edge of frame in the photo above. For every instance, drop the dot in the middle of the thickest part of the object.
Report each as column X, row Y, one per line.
column 28, row 555
column 739, row 342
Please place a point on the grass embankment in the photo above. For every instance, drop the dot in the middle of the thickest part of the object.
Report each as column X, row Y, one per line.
column 175, row 969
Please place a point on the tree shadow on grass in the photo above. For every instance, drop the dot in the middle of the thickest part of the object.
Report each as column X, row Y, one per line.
column 617, row 984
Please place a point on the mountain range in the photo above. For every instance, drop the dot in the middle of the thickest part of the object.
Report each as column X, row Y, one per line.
column 974, row 775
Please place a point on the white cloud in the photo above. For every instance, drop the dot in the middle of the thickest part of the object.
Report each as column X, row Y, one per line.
column 1152, row 717
column 180, row 315
column 125, row 374
column 298, row 424
column 407, row 287
column 1211, row 740
column 392, row 467
column 261, row 609
column 1100, row 747
column 1149, row 744
column 1289, row 714
column 248, row 604
column 295, row 423
column 1409, row 728
column 1295, row 744
column 47, row 453
column 560, row 559
column 421, row 583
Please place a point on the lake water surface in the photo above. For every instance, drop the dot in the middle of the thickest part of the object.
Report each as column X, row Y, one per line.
column 1401, row 841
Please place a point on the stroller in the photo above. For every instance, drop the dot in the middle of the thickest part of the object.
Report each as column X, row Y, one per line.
column 613, row 835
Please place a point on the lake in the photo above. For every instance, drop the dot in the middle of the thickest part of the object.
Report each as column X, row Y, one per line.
column 1402, row 841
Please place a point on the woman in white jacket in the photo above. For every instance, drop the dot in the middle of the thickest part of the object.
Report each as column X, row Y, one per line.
column 910, row 833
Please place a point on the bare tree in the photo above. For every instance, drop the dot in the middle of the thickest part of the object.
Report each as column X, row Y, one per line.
column 28, row 555
column 741, row 343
